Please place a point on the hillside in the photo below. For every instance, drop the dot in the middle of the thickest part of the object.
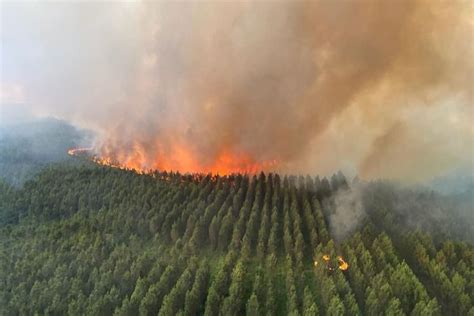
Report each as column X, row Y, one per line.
column 90, row 240
column 27, row 147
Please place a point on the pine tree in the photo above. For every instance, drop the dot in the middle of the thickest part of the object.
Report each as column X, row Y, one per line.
column 393, row 308
column 213, row 232
column 252, row 308
column 309, row 303
column 336, row 308
column 233, row 304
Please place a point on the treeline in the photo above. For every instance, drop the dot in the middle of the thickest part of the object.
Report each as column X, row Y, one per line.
column 100, row 241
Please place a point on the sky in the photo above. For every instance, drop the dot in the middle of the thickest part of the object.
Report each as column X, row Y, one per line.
column 381, row 89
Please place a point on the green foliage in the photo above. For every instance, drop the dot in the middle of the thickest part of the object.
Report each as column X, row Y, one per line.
column 89, row 240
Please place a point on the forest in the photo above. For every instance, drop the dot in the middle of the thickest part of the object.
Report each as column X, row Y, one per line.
column 83, row 239
column 237, row 157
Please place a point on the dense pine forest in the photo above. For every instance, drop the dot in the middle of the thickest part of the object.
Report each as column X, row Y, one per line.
column 81, row 239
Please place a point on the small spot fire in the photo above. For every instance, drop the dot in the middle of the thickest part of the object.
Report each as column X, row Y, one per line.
column 342, row 264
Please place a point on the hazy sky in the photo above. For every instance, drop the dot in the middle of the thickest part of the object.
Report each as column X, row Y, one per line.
column 378, row 88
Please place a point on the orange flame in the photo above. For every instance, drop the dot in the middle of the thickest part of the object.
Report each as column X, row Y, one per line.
column 180, row 159
column 343, row 265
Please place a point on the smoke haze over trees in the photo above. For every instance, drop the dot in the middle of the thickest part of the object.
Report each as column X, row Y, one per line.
column 27, row 147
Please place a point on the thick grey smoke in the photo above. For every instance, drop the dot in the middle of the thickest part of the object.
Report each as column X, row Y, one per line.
column 348, row 212
column 373, row 87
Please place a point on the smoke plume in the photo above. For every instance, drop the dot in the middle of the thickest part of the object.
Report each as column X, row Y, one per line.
column 377, row 88
column 348, row 212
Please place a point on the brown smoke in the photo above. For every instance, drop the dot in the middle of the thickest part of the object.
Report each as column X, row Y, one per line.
column 296, row 82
